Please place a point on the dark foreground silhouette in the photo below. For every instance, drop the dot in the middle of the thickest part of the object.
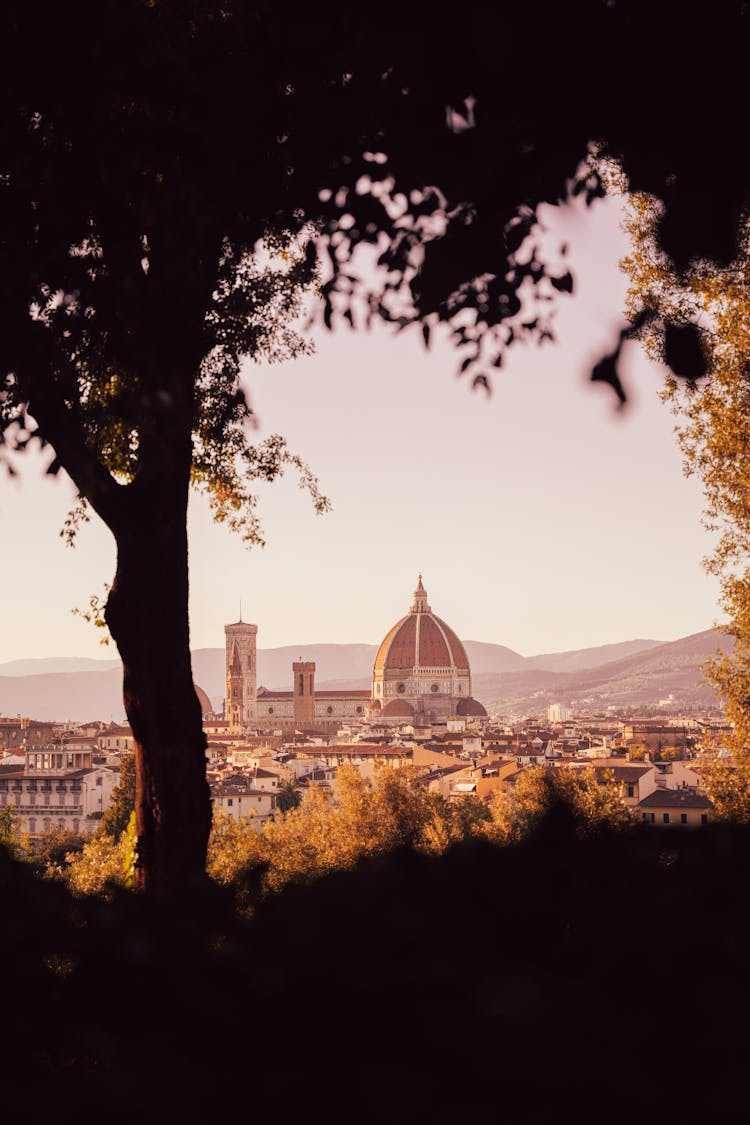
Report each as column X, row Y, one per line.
column 605, row 979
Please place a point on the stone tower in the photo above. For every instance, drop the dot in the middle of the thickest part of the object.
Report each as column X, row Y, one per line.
column 240, row 705
column 304, row 693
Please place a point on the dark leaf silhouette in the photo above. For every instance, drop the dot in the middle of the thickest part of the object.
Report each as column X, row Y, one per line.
column 606, row 371
column 564, row 283
column 683, row 351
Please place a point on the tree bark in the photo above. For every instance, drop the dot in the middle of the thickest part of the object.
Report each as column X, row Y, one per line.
column 147, row 614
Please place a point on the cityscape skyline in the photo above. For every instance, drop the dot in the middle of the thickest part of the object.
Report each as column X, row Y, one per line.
column 541, row 518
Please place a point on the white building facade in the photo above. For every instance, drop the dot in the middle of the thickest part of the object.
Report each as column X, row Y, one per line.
column 57, row 788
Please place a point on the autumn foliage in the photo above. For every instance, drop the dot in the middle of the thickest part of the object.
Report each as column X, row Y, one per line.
column 360, row 820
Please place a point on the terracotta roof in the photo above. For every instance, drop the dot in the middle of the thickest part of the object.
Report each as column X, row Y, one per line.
column 420, row 640
column 205, row 702
column 222, row 789
column 622, row 774
column 469, row 706
column 363, row 749
column 442, row 771
column 675, row 798
column 399, row 707
column 401, row 651
column 264, row 694
column 342, row 694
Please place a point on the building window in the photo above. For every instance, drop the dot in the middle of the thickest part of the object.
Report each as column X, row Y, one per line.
column 230, row 801
column 434, row 687
column 329, row 710
column 704, row 818
column 665, row 818
column 683, row 818
column 32, row 825
column 270, row 710
column 630, row 791
column 401, row 689
column 359, row 710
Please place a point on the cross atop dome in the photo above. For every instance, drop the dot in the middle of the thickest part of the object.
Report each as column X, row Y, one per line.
column 419, row 605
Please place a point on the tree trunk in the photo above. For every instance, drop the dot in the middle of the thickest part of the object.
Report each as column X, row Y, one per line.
column 147, row 614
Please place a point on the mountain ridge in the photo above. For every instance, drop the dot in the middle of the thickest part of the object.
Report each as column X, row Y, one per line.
column 641, row 679
column 275, row 662
column 502, row 678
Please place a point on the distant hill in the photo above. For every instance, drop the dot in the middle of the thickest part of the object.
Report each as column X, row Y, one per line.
column 485, row 657
column 642, row 679
column 78, row 696
column 581, row 658
column 637, row 672
column 44, row 664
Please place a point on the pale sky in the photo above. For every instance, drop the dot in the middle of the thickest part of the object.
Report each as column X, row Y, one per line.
column 541, row 518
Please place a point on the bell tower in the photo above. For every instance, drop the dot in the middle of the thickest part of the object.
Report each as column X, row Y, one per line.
column 240, row 705
column 303, row 672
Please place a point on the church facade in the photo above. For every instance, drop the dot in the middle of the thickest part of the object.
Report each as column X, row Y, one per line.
column 302, row 708
column 421, row 675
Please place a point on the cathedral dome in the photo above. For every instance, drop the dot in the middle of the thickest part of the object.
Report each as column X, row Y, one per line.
column 471, row 707
column 420, row 640
column 205, row 702
column 400, row 708
column 421, row 668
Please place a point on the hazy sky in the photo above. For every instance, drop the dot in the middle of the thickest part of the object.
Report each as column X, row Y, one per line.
column 541, row 518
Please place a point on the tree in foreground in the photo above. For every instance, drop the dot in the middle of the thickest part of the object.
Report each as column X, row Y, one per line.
column 10, row 832
column 320, row 834
column 712, row 413
column 147, row 151
column 364, row 820
column 590, row 802
column 334, row 832
column 122, row 802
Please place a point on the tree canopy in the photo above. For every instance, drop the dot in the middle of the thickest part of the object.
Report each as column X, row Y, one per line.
column 395, row 160
column 712, row 419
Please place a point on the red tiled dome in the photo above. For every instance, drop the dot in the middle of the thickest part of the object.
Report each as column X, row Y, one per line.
column 469, row 706
column 205, row 702
column 421, row 640
column 399, row 707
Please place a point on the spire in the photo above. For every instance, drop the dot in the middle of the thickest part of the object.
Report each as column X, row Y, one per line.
column 419, row 605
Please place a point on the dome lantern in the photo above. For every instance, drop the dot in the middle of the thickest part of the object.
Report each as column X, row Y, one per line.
column 419, row 605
